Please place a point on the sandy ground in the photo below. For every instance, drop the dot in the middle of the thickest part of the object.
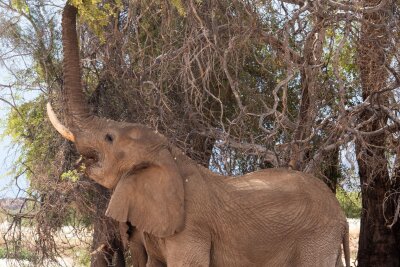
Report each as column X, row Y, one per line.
column 67, row 262
column 71, row 242
column 354, row 231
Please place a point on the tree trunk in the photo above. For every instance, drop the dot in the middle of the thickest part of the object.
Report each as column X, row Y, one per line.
column 378, row 245
column 107, row 248
column 330, row 170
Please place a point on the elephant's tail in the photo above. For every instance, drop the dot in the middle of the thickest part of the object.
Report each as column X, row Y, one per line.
column 346, row 246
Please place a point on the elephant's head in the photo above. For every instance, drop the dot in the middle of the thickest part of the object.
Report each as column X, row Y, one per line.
column 131, row 158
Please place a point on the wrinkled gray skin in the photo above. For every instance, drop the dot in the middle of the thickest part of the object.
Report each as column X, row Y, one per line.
column 185, row 215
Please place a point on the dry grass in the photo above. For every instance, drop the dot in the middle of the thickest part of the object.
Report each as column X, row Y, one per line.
column 73, row 245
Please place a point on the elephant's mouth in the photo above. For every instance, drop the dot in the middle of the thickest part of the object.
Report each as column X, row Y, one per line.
column 90, row 159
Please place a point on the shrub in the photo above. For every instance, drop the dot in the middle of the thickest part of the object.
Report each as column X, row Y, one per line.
column 350, row 202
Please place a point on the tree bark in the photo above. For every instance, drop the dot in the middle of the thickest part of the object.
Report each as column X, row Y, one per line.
column 107, row 247
column 378, row 245
column 330, row 170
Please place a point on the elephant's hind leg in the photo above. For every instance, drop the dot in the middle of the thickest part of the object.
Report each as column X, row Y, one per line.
column 319, row 253
column 339, row 261
column 186, row 251
column 310, row 259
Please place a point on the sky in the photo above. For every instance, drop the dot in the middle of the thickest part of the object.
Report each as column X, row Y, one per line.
column 8, row 151
column 8, row 155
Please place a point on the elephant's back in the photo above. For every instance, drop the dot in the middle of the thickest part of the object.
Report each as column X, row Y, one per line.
column 266, row 216
column 283, row 196
column 268, row 183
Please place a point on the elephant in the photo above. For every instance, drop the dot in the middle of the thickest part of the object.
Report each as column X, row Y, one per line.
column 182, row 213
column 132, row 238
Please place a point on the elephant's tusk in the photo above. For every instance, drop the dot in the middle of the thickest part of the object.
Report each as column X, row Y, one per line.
column 64, row 131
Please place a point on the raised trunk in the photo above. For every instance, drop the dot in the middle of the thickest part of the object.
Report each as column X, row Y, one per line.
column 107, row 246
column 77, row 109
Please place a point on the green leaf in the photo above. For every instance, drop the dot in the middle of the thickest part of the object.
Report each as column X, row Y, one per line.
column 95, row 17
column 179, row 7
column 71, row 175
column 20, row 5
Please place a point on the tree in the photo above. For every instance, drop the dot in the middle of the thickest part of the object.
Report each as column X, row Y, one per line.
column 379, row 244
column 236, row 85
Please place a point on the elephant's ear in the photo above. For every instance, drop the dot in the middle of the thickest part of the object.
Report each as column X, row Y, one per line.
column 151, row 199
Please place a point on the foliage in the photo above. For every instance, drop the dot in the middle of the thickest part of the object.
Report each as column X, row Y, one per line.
column 83, row 257
column 350, row 202
column 97, row 18
column 71, row 175
column 27, row 127
column 20, row 5
column 23, row 254
column 179, row 6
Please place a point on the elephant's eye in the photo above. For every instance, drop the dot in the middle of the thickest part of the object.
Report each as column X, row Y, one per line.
column 109, row 138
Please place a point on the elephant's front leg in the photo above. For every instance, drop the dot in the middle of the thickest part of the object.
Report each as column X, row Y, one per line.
column 183, row 251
